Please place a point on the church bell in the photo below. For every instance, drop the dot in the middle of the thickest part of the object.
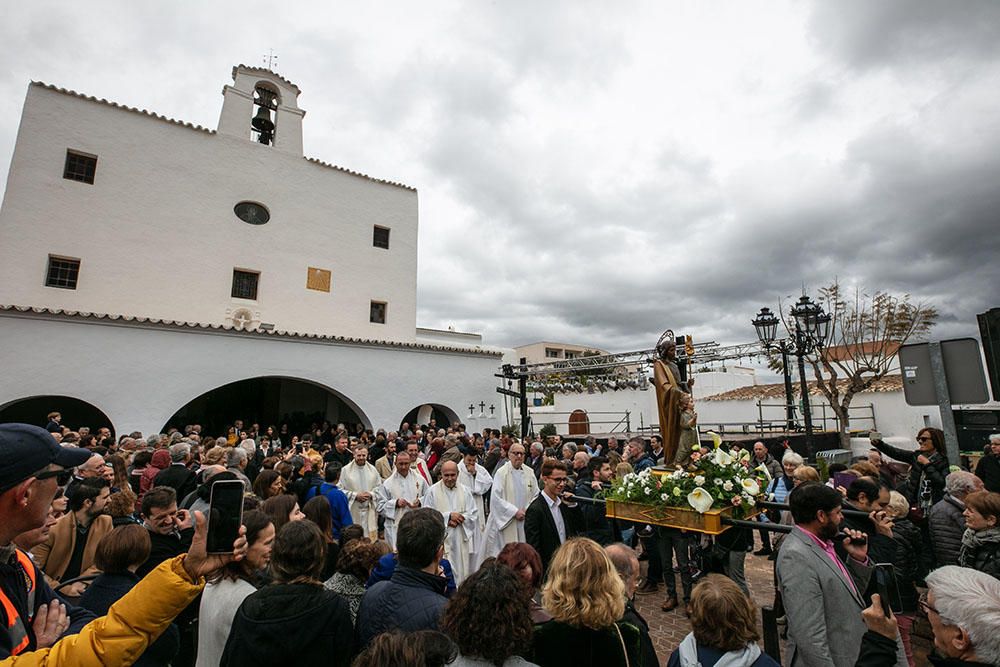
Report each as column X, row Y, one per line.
column 262, row 121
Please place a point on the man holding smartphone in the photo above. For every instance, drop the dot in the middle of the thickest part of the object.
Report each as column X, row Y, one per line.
column 823, row 592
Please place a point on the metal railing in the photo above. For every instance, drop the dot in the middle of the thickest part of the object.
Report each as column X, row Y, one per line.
column 823, row 416
column 616, row 420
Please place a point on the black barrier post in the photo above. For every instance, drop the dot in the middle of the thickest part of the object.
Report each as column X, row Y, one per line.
column 769, row 624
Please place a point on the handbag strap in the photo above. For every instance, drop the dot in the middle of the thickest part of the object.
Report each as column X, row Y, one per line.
column 622, row 640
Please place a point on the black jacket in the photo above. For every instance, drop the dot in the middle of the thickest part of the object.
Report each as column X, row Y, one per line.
column 540, row 528
column 165, row 547
column 302, row 623
column 876, row 651
column 411, row 600
column 947, row 524
column 108, row 589
column 596, row 525
column 177, row 477
column 881, row 548
column 633, row 617
column 911, row 562
column 988, row 470
column 985, row 558
column 934, row 472
column 558, row 644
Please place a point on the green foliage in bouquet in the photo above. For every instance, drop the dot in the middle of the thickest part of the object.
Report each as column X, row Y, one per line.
column 716, row 480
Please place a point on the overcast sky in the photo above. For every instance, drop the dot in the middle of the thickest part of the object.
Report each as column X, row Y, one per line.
column 598, row 172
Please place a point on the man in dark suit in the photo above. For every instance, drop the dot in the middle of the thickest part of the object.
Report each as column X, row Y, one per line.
column 178, row 476
column 550, row 519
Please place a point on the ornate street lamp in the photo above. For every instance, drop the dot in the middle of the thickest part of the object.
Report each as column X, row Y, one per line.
column 766, row 325
column 812, row 328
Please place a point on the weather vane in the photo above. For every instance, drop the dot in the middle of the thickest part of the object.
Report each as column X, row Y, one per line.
column 271, row 60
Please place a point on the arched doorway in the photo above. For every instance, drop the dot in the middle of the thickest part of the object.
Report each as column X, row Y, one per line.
column 269, row 401
column 75, row 412
column 422, row 415
column 579, row 423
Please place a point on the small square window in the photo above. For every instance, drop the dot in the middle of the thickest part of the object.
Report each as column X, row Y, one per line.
column 245, row 284
column 377, row 313
column 62, row 272
column 80, row 167
column 380, row 238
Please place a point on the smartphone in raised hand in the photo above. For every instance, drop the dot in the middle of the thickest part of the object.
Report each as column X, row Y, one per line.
column 225, row 515
column 885, row 584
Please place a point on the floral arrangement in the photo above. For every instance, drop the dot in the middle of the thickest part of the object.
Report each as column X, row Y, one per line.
column 715, row 480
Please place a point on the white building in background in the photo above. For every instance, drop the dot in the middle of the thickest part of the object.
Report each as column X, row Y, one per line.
column 548, row 352
column 145, row 262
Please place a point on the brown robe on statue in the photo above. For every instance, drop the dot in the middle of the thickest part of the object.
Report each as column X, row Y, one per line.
column 666, row 380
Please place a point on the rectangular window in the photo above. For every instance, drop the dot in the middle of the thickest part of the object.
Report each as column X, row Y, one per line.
column 80, row 167
column 570, row 355
column 62, row 272
column 377, row 313
column 381, row 237
column 551, row 353
column 245, row 284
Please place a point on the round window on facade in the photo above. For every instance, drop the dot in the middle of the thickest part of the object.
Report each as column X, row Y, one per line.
column 252, row 213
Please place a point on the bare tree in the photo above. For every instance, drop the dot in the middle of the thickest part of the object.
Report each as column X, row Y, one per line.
column 866, row 332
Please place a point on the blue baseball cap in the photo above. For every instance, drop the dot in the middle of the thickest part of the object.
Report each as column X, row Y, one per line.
column 26, row 449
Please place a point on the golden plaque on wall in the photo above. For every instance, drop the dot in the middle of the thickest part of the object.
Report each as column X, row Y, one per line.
column 318, row 279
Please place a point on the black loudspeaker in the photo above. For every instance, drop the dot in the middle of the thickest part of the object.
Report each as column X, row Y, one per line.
column 989, row 331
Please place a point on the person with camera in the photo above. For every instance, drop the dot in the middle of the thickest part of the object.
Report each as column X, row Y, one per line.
column 928, row 466
column 822, row 590
column 31, row 466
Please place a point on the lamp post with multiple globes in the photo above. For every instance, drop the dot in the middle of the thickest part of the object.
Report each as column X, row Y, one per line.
column 812, row 327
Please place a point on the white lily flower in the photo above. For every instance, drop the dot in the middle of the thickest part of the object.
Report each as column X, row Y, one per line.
column 700, row 500
column 763, row 468
column 723, row 458
column 750, row 486
column 716, row 439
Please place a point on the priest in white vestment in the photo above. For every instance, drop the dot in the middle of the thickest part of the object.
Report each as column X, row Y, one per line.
column 456, row 504
column 358, row 480
column 514, row 487
column 402, row 491
column 475, row 477
column 418, row 465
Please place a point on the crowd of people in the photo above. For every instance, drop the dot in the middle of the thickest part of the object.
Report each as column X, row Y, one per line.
column 431, row 545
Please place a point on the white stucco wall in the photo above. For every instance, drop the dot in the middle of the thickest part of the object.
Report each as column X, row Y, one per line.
column 157, row 236
column 897, row 421
column 140, row 375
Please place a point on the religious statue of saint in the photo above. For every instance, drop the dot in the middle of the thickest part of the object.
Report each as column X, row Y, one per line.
column 668, row 385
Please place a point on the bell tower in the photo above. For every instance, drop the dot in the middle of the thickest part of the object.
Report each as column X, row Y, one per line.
column 262, row 107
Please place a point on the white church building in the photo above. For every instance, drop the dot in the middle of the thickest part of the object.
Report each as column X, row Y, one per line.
column 154, row 271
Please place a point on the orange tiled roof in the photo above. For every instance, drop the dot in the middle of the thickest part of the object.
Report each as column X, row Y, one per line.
column 764, row 391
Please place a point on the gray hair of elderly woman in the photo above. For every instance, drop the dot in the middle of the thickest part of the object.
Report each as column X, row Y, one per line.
column 961, row 483
column 793, row 458
column 179, row 452
column 970, row 599
column 235, row 456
